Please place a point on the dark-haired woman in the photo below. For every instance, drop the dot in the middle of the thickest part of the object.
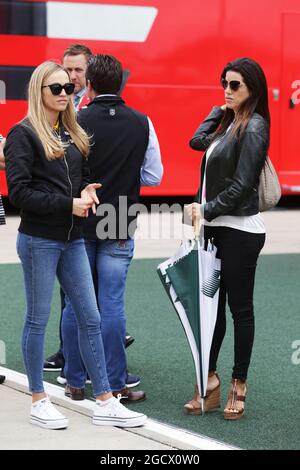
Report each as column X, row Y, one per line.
column 235, row 138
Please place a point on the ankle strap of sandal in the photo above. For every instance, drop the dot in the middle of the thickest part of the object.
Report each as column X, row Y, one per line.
column 233, row 393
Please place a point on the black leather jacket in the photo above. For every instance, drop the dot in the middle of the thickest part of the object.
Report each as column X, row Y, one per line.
column 233, row 168
column 43, row 189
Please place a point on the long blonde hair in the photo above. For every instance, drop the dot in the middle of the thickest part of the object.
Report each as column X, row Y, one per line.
column 37, row 117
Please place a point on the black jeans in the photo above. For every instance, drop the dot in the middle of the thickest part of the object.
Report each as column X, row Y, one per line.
column 238, row 251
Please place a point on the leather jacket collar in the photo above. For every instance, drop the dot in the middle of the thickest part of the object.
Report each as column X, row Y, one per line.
column 233, row 168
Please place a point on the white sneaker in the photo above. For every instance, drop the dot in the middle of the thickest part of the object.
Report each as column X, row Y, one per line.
column 112, row 413
column 63, row 381
column 45, row 415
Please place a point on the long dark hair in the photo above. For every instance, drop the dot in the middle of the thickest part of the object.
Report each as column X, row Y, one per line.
column 255, row 79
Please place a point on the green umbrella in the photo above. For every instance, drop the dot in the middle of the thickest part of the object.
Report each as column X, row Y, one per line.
column 192, row 279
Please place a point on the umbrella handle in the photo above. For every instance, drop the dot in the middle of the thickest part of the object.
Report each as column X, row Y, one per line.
column 196, row 223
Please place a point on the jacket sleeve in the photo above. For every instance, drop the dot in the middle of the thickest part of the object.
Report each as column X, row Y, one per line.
column 19, row 157
column 252, row 154
column 152, row 169
column 85, row 174
column 81, row 118
column 202, row 138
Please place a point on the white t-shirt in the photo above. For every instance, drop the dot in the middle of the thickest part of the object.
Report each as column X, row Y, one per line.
column 246, row 223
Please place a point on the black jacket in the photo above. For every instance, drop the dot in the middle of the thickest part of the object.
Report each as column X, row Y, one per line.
column 43, row 189
column 120, row 137
column 233, row 168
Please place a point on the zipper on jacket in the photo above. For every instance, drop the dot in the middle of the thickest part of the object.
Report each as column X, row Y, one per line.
column 68, row 174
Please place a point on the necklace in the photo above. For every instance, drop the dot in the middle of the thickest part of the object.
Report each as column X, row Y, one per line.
column 55, row 129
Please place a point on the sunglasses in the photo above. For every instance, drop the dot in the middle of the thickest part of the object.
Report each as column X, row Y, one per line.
column 57, row 88
column 234, row 85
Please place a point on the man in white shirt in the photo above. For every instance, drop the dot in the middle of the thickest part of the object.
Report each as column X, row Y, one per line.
column 125, row 155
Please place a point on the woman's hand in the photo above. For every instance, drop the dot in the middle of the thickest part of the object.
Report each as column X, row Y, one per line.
column 81, row 206
column 89, row 192
column 192, row 211
column 192, row 216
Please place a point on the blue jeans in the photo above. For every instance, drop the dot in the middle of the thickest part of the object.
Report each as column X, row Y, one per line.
column 42, row 260
column 109, row 261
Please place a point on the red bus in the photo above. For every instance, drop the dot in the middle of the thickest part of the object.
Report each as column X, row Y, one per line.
column 174, row 52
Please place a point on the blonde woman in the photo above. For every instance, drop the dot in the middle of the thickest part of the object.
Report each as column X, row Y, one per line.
column 46, row 164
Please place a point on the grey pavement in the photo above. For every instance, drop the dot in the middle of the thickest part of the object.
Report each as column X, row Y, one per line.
column 17, row 433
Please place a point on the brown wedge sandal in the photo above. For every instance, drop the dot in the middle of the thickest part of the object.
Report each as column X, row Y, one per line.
column 235, row 410
column 212, row 400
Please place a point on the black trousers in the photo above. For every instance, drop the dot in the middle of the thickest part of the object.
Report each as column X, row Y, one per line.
column 238, row 251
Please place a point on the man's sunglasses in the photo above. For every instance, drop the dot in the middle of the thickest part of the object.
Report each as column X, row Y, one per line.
column 57, row 88
column 234, row 85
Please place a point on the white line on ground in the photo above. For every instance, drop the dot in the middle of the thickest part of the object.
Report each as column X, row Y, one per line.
column 158, row 431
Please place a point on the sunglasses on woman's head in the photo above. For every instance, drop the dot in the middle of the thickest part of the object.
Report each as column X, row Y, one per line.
column 234, row 85
column 57, row 88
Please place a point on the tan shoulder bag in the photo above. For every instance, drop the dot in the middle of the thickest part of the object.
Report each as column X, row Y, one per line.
column 269, row 190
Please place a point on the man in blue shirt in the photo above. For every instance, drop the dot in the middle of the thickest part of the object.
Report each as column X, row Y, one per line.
column 75, row 61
